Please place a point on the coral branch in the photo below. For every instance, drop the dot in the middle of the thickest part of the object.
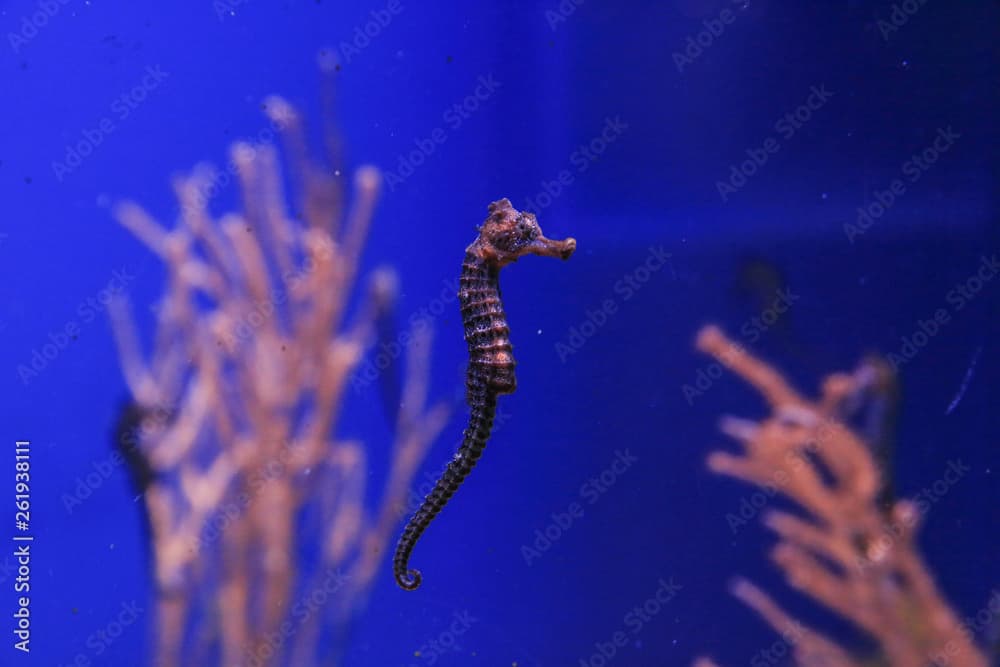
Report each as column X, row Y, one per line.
column 251, row 359
column 849, row 553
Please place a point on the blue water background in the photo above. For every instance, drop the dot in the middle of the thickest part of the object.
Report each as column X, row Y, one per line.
column 559, row 81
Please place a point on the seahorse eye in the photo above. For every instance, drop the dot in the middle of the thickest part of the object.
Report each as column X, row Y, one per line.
column 526, row 231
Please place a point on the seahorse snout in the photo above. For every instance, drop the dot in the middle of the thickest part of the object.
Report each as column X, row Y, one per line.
column 552, row 248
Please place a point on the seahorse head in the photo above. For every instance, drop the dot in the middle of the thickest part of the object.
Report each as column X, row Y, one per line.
column 508, row 234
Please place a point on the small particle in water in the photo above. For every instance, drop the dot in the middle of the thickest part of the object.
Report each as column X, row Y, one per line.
column 824, row 196
column 905, row 64
column 539, row 332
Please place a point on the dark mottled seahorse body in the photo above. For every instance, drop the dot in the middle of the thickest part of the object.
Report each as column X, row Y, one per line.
column 505, row 236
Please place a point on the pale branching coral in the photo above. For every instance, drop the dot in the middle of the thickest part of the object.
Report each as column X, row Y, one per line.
column 848, row 551
column 253, row 352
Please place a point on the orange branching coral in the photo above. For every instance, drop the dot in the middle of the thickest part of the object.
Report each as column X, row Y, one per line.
column 251, row 358
column 848, row 552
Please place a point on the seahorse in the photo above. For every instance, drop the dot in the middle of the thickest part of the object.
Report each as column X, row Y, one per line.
column 505, row 236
